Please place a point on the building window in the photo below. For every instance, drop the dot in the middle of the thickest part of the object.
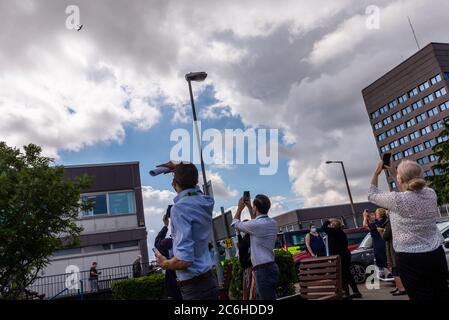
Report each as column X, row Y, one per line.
column 433, row 157
column 444, row 106
column 415, row 135
column 109, row 203
column 428, row 99
column 383, row 109
column 408, row 152
column 391, row 132
column 403, row 98
column 418, row 148
column 442, row 139
column 422, row 161
column 375, row 114
column 441, row 92
column 421, row 117
column 121, row 202
column 424, row 86
column 436, row 171
column 406, row 110
column 432, row 112
column 426, row 130
column 404, row 140
column 394, row 144
column 397, row 156
column 429, row 143
column 428, row 173
column 413, row 92
column 435, row 79
column 416, row 105
column 446, row 75
column 381, row 137
column 393, row 104
column 98, row 204
column 387, row 121
column 385, row 148
column 125, row 244
column 396, row 116
column 437, row 125
column 377, row 125
column 400, row 127
column 410, row 123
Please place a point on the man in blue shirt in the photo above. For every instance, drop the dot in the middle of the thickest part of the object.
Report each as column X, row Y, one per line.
column 191, row 222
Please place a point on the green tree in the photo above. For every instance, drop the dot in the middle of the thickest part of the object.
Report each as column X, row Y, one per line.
column 440, row 182
column 38, row 209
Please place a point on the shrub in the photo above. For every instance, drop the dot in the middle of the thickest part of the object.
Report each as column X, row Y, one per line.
column 236, row 284
column 287, row 273
column 151, row 287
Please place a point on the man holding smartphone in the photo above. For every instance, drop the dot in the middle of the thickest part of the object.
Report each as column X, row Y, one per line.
column 165, row 247
column 263, row 232
column 191, row 217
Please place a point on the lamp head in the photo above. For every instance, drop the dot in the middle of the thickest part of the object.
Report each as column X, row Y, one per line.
column 196, row 76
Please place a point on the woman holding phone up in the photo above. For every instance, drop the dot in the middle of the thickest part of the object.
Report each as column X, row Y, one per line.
column 413, row 213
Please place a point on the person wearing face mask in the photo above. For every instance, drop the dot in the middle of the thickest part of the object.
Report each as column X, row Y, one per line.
column 413, row 213
column 191, row 230
column 314, row 243
column 262, row 231
column 338, row 245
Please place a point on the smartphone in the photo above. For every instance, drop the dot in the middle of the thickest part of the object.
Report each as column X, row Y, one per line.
column 167, row 213
column 246, row 195
column 386, row 158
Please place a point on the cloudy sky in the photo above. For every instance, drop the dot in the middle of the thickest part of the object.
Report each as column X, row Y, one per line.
column 115, row 90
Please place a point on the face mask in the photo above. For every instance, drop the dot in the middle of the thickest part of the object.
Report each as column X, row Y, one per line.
column 313, row 229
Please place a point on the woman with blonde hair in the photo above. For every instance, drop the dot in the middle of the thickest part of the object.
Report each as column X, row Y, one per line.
column 413, row 213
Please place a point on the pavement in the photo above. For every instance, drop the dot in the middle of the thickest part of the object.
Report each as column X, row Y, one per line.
column 383, row 293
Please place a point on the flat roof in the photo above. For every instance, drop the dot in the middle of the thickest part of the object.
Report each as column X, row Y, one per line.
column 431, row 44
column 101, row 164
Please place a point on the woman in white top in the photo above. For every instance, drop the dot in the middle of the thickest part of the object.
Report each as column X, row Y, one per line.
column 417, row 242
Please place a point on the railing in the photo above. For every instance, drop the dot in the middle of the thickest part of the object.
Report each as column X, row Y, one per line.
column 56, row 285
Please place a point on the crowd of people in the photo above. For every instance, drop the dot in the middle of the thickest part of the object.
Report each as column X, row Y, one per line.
column 406, row 242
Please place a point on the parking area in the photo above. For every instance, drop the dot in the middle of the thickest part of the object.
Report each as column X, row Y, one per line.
column 383, row 293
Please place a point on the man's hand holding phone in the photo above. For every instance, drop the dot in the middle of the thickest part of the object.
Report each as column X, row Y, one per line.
column 160, row 259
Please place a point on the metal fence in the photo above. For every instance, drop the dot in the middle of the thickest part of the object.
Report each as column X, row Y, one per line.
column 60, row 285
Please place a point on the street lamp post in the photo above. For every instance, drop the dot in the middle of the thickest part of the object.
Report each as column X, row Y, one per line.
column 200, row 76
column 349, row 191
column 197, row 76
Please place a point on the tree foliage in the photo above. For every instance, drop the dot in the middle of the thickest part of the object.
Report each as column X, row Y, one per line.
column 440, row 182
column 37, row 212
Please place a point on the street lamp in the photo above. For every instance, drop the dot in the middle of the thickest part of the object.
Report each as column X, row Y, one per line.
column 349, row 191
column 201, row 76
column 197, row 76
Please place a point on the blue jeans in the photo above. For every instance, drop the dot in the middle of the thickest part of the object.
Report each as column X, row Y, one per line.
column 267, row 277
column 93, row 284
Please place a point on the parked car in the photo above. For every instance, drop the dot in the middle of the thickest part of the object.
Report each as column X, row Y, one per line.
column 355, row 237
column 363, row 256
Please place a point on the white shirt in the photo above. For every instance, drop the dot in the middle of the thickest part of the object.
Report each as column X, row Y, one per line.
column 262, row 232
column 413, row 216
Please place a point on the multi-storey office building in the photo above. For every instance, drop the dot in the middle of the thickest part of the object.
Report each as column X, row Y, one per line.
column 114, row 232
column 408, row 106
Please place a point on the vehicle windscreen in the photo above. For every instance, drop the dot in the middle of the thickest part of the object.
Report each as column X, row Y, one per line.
column 367, row 242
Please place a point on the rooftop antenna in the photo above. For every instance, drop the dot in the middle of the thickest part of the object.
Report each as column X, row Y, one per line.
column 413, row 31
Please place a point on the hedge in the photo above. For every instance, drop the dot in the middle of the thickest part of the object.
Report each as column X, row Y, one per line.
column 150, row 287
column 287, row 275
